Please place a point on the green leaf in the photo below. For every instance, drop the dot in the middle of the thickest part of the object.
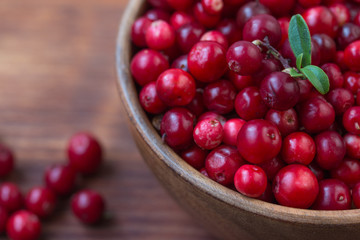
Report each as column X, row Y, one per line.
column 317, row 77
column 294, row 73
column 299, row 60
column 299, row 39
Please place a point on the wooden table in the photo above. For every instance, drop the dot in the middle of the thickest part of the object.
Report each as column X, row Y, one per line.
column 57, row 77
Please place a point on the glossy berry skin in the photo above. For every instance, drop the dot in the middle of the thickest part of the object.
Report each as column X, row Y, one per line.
column 207, row 61
column 215, row 36
column 212, row 6
column 7, row 160
column 321, row 20
column 295, row 186
column 195, row 156
column 204, row 18
column 286, row 121
column 269, row 65
column 249, row 10
column 284, row 25
column 244, row 58
column 219, row 96
column 319, row 172
column 272, row 167
column 356, row 195
column 306, row 90
column 341, row 13
column 150, row 100
column 287, row 52
column 249, row 105
column 175, row 87
column 40, row 201
column 260, row 26
column 222, row 163
column 231, row 129
column 179, row 19
column 347, row 34
column 334, row 74
column 352, row 144
column 180, row 5
column 181, row 63
column 259, row 141
column 189, row 34
column 84, row 153
column 352, row 56
column 352, row 81
column 177, row 128
column 23, row 225
column 298, row 147
column 212, row 115
column 327, row 47
column 208, row 133
column 11, row 197
column 160, row 35
column 279, row 91
column 60, row 179
column 88, row 206
column 147, row 65
column 250, row 180
column 138, row 31
column 279, row 7
column 197, row 106
column 239, row 81
column 341, row 99
column 3, row 219
column 348, row 172
column 333, row 195
column 330, row 149
column 351, row 120
column 230, row 30
column 316, row 115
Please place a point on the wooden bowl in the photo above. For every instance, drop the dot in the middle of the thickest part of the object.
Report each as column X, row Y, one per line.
column 224, row 212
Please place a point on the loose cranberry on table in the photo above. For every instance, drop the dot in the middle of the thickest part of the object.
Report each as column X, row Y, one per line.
column 7, row 160
column 250, row 180
column 61, row 179
column 11, row 197
column 208, row 133
column 298, row 147
column 40, row 201
column 23, row 225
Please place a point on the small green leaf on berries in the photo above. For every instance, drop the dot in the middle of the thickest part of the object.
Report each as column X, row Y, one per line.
column 317, row 77
column 299, row 60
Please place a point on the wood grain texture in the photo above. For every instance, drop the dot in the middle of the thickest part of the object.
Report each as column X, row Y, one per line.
column 57, row 77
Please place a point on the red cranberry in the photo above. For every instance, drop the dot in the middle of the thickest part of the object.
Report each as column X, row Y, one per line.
column 60, row 179
column 316, row 115
column 208, row 133
column 23, row 225
column 204, row 172
column 84, row 153
column 215, row 36
column 272, row 167
column 356, row 195
column 351, row 120
column 179, row 19
column 286, row 121
column 295, row 186
column 244, row 58
column 340, row 12
column 138, row 31
column 222, row 163
column 189, row 34
column 10, row 197
column 6, row 160
column 268, row 195
column 333, row 71
column 269, row 65
column 162, row 4
column 352, row 144
column 88, row 206
column 340, row 61
column 320, row 20
column 213, row 6
column 327, row 47
column 3, row 219
column 204, row 18
column 298, row 147
column 279, row 7
column 348, row 172
column 219, row 97
column 333, row 195
column 40, row 201
column 150, row 100
column 250, row 180
column 249, row 10
column 352, row 56
column 341, row 99
column 195, row 156
column 180, row 5
column 147, row 65
column 348, row 34
column 258, row 141
column 249, row 105
column 306, row 89
column 240, row 82
column 284, row 25
column 181, row 63
column 160, row 35
column 357, row 19
column 213, row 115
column 287, row 52
column 279, row 91
column 197, row 106
column 177, row 127
column 352, row 81
column 175, row 87
column 207, row 61
column 330, row 149
column 260, row 26
column 309, row 3
column 317, row 170
column 231, row 130
column 230, row 30
column 157, row 14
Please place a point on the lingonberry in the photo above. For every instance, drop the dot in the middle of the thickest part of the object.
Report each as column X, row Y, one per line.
column 309, row 3
column 204, row 18
column 295, row 186
column 272, row 167
column 244, row 58
column 150, row 100
column 274, row 6
column 286, row 121
column 11, row 197
column 60, row 179
column 195, row 156
column 258, row 141
column 230, row 30
column 352, row 56
column 179, row 19
column 284, row 25
column 180, row 5
column 189, row 34
column 207, row 61
column 177, row 127
column 341, row 99
column 160, row 35
column 352, row 144
column 348, row 172
column 340, row 61
column 138, row 31
column 23, row 225
column 249, row 105
column 215, row 36
column 340, row 12
column 40, row 201
column 197, row 106
column 298, row 147
column 175, row 87
column 268, row 195
column 88, row 206
column 208, row 133
column 249, row 10
column 3, row 219
column 279, row 91
column 7, row 161
column 155, row 14
column 250, row 180
column 333, row 71
column 330, row 149
column 348, row 34
column 269, row 65
column 212, row 115
column 147, row 65
column 327, row 47
column 231, row 129
column 162, row 4
column 351, row 120
column 219, row 96
column 352, row 81
column 213, row 7
column 239, row 81
column 319, row 172
column 316, row 114
column 306, row 89
column 260, row 26
column 222, row 163
column 321, row 20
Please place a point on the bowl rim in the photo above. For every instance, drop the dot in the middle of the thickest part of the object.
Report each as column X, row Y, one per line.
column 143, row 126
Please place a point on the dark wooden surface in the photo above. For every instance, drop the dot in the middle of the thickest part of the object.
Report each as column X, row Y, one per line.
column 57, row 77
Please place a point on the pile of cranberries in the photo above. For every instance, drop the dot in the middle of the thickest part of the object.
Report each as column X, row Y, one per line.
column 20, row 214
column 226, row 106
